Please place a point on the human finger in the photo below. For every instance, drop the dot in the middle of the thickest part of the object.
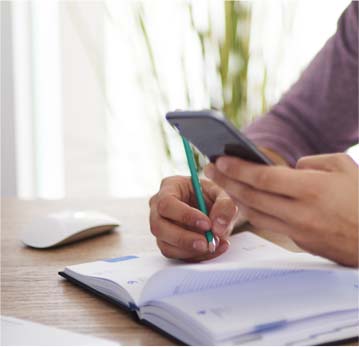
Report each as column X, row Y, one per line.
column 170, row 251
column 272, row 204
column 266, row 222
column 325, row 162
column 223, row 214
column 275, row 179
column 170, row 207
column 176, row 235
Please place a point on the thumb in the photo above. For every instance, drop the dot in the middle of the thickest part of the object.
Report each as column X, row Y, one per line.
column 223, row 214
column 324, row 162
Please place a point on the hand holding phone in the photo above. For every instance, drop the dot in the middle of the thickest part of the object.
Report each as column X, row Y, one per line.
column 213, row 136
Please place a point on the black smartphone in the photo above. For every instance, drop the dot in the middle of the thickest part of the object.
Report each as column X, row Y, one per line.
column 214, row 136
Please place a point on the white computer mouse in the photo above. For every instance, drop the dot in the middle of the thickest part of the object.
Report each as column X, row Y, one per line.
column 67, row 226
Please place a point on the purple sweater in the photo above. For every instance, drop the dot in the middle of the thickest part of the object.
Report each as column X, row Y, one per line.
column 319, row 113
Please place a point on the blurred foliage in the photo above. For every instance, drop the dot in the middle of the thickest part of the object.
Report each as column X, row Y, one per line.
column 162, row 93
column 233, row 50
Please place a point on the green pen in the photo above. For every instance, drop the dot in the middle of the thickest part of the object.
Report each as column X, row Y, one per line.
column 198, row 192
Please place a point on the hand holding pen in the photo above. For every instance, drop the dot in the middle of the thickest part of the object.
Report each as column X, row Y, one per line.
column 198, row 192
column 179, row 226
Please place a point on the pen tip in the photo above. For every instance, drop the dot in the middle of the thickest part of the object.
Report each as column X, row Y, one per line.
column 212, row 246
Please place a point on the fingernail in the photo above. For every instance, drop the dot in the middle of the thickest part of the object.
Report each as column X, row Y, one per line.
column 220, row 226
column 200, row 245
column 223, row 247
column 203, row 224
column 209, row 171
column 212, row 247
column 221, row 164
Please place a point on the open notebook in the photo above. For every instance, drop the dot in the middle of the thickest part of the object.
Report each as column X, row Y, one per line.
column 257, row 293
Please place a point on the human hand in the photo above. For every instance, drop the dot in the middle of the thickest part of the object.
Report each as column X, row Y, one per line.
column 315, row 204
column 179, row 226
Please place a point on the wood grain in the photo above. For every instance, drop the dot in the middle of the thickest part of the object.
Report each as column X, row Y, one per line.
column 31, row 288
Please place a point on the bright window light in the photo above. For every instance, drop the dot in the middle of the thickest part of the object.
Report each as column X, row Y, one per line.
column 139, row 85
column 47, row 99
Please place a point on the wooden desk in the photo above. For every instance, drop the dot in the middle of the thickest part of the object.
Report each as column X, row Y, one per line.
column 31, row 288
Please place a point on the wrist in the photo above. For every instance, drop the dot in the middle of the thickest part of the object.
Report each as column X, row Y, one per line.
column 274, row 156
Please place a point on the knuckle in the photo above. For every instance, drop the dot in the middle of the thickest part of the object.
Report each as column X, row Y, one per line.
column 171, row 180
column 163, row 205
column 223, row 206
column 152, row 200
column 340, row 159
column 154, row 226
column 188, row 219
column 299, row 221
column 230, row 209
column 314, row 191
column 152, row 219
column 165, row 249
column 206, row 182
column 155, row 231
column 177, row 179
column 165, row 252
column 344, row 159
column 181, row 241
column 213, row 190
column 309, row 193
column 307, row 222
column 263, row 179
column 166, row 180
column 302, row 163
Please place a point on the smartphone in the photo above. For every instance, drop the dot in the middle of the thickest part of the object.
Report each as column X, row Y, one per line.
column 214, row 136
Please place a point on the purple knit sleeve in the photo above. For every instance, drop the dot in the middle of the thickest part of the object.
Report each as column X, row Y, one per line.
column 319, row 113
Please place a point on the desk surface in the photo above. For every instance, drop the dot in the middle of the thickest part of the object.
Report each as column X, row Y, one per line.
column 31, row 288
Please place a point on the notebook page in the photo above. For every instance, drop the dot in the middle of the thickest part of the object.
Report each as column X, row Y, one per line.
column 248, row 252
column 247, row 247
column 133, row 272
column 252, row 306
column 324, row 328
column 251, row 251
column 130, row 272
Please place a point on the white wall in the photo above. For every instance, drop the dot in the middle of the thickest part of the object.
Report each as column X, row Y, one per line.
column 84, row 112
column 84, row 124
column 8, row 150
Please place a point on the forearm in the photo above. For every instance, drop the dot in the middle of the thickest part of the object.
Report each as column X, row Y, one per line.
column 319, row 114
column 277, row 158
